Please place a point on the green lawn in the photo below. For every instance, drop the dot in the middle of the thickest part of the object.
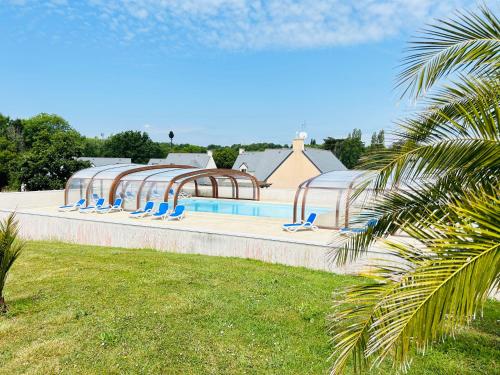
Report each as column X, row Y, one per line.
column 83, row 309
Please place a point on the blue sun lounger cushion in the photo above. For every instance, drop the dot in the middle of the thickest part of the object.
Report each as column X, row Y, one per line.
column 72, row 207
column 117, row 206
column 89, row 209
column 178, row 213
column 369, row 224
column 148, row 207
column 162, row 211
column 306, row 224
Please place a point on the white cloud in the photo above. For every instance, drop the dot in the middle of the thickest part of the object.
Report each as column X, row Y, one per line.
column 259, row 24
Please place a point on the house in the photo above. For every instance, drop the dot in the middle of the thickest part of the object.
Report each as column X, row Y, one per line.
column 198, row 160
column 99, row 162
column 287, row 168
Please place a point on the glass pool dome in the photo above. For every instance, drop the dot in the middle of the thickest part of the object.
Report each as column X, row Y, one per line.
column 137, row 184
column 333, row 192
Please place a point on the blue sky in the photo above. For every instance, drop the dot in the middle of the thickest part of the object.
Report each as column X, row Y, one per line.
column 213, row 71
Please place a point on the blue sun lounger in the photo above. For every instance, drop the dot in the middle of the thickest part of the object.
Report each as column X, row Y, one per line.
column 72, row 207
column 88, row 209
column 162, row 212
column 350, row 231
column 178, row 213
column 307, row 224
column 117, row 206
column 148, row 207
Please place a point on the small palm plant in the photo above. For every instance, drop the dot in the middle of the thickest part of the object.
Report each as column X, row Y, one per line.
column 448, row 161
column 10, row 249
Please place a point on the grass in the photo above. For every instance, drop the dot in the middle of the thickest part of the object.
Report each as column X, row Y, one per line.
column 83, row 309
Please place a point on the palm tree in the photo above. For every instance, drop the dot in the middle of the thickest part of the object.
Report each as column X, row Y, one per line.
column 448, row 160
column 10, row 249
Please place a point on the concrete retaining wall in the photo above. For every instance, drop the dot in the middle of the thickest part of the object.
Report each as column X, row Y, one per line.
column 36, row 226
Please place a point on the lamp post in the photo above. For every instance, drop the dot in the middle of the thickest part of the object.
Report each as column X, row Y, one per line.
column 171, row 136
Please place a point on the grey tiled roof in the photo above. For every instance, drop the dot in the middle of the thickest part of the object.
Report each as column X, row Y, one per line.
column 263, row 163
column 154, row 161
column 324, row 160
column 194, row 159
column 98, row 162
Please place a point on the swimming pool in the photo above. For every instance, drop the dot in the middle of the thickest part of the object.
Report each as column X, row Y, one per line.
column 274, row 210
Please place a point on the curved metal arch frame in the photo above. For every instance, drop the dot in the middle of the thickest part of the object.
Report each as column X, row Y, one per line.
column 213, row 182
column 306, row 187
column 212, row 173
column 139, row 191
column 87, row 189
column 215, row 186
column 117, row 179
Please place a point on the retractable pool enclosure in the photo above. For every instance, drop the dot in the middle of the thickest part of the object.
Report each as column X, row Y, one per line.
column 333, row 191
column 137, row 184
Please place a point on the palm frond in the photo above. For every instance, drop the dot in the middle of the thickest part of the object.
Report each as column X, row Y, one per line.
column 356, row 308
column 396, row 208
column 440, row 186
column 444, row 293
column 445, row 149
column 470, row 43
column 432, row 290
column 447, row 112
column 470, row 119
column 431, row 161
column 10, row 247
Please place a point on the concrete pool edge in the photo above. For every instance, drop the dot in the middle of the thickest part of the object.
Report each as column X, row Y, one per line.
column 106, row 232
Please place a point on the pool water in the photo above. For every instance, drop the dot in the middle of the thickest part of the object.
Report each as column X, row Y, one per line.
column 274, row 210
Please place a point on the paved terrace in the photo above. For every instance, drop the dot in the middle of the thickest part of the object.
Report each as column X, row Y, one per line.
column 206, row 222
column 199, row 233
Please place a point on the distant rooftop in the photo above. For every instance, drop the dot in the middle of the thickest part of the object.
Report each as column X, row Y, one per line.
column 98, row 162
column 262, row 164
column 199, row 160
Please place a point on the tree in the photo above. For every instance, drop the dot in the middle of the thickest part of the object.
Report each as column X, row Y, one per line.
column 378, row 140
column 225, row 157
column 11, row 145
column 381, row 138
column 52, row 149
column 94, row 147
column 42, row 126
column 261, row 146
column 348, row 150
column 376, row 145
column 181, row 148
column 333, row 144
column 374, row 141
column 132, row 144
column 10, row 249
column 448, row 158
column 351, row 149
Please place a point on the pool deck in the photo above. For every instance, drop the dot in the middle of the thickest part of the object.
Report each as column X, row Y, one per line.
column 207, row 222
column 205, row 233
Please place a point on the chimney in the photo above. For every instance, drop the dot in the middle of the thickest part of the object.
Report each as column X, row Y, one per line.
column 242, row 150
column 209, row 153
column 298, row 144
